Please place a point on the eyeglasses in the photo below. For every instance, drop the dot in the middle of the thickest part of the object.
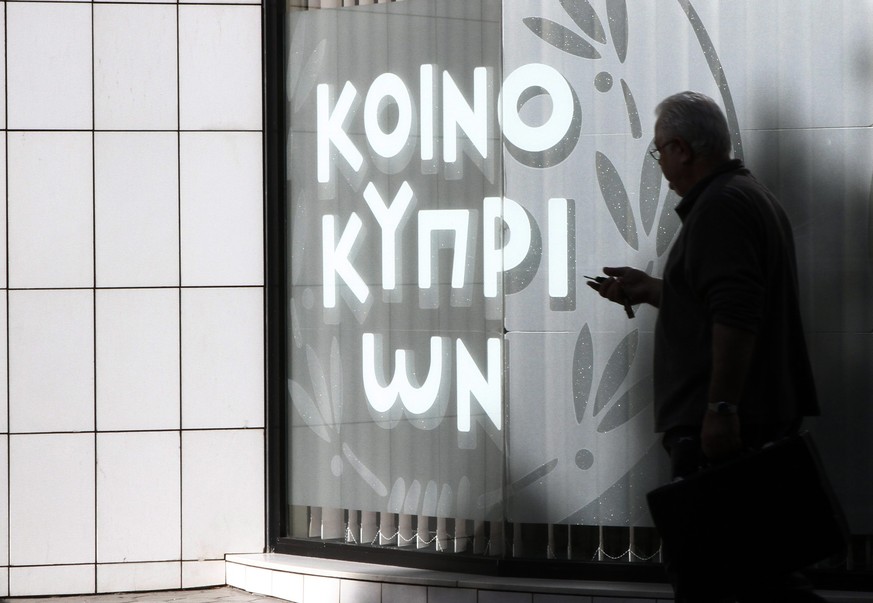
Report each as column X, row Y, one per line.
column 655, row 150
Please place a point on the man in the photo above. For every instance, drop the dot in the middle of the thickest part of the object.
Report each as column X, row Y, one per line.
column 731, row 363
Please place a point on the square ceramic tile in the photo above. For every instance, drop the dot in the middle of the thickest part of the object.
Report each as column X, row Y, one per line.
column 4, row 581
column 135, row 83
column 130, row 577
column 3, row 266
column 136, row 196
column 322, row 590
column 221, row 184
column 4, row 375
column 51, row 360
column 540, row 598
column 258, row 580
column 138, row 366
column 436, row 594
column 288, row 586
column 492, row 596
column 3, row 80
column 355, row 591
column 235, row 575
column 50, row 209
column 4, row 502
column 51, row 580
column 222, row 493
column 51, row 499
column 220, row 67
column 202, row 573
column 222, row 358
column 48, row 55
column 139, row 519
column 403, row 593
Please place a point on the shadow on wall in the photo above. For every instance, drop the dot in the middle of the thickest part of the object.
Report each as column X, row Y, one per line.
column 824, row 178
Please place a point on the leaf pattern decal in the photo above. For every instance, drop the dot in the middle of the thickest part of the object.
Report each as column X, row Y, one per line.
column 398, row 494
column 319, row 385
column 336, row 383
column 583, row 372
column 368, row 476
column 534, row 476
column 561, row 38
column 632, row 403
column 584, row 15
column 650, row 190
column 633, row 115
column 616, row 13
column 669, row 223
column 410, row 505
column 615, row 195
column 617, row 368
column 305, row 405
column 309, row 76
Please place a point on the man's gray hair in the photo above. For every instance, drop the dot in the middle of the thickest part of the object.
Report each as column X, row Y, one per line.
column 698, row 120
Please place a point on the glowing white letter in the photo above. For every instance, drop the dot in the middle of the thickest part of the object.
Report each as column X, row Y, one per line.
column 388, row 85
column 389, row 219
column 432, row 220
column 558, row 266
column 535, row 138
column 417, row 399
column 458, row 113
column 329, row 127
column 497, row 259
column 472, row 383
column 336, row 259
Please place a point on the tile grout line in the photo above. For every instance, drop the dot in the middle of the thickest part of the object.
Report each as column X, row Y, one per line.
column 94, row 282
column 8, row 543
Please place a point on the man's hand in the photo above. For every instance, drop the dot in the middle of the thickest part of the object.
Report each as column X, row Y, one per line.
column 629, row 286
column 720, row 437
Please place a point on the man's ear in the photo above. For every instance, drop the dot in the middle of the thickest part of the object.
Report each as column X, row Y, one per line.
column 686, row 153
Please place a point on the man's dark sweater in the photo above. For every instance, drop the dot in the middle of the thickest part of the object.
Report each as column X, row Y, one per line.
column 733, row 263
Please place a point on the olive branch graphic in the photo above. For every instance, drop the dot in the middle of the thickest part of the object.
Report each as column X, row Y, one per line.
column 612, row 406
column 567, row 40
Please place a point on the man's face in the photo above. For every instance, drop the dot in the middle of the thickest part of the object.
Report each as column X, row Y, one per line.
column 669, row 160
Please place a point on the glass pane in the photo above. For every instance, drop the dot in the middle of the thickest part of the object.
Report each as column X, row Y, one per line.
column 395, row 351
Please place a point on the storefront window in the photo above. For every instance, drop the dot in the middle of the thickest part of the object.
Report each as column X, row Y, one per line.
column 453, row 169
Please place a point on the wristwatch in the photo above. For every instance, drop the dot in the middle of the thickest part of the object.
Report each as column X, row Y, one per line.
column 723, row 408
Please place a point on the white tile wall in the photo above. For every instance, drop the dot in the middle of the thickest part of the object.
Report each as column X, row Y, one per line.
column 223, row 492
column 51, row 360
column 202, row 573
column 135, row 84
column 118, row 577
column 131, row 174
column 220, row 68
column 51, row 499
column 51, row 580
column 48, row 65
column 222, row 357
column 136, row 212
column 138, row 367
column 51, row 209
column 2, row 195
column 138, row 497
column 221, row 169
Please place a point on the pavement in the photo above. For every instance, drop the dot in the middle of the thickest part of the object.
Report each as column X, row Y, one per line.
column 222, row 594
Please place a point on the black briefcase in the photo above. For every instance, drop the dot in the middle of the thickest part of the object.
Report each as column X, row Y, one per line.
column 769, row 512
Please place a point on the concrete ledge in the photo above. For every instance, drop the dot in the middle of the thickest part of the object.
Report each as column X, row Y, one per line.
column 313, row 580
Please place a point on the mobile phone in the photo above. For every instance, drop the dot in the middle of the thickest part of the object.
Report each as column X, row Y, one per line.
column 599, row 279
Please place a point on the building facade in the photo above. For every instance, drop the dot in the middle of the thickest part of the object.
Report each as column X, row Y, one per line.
column 133, row 369
column 213, row 271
